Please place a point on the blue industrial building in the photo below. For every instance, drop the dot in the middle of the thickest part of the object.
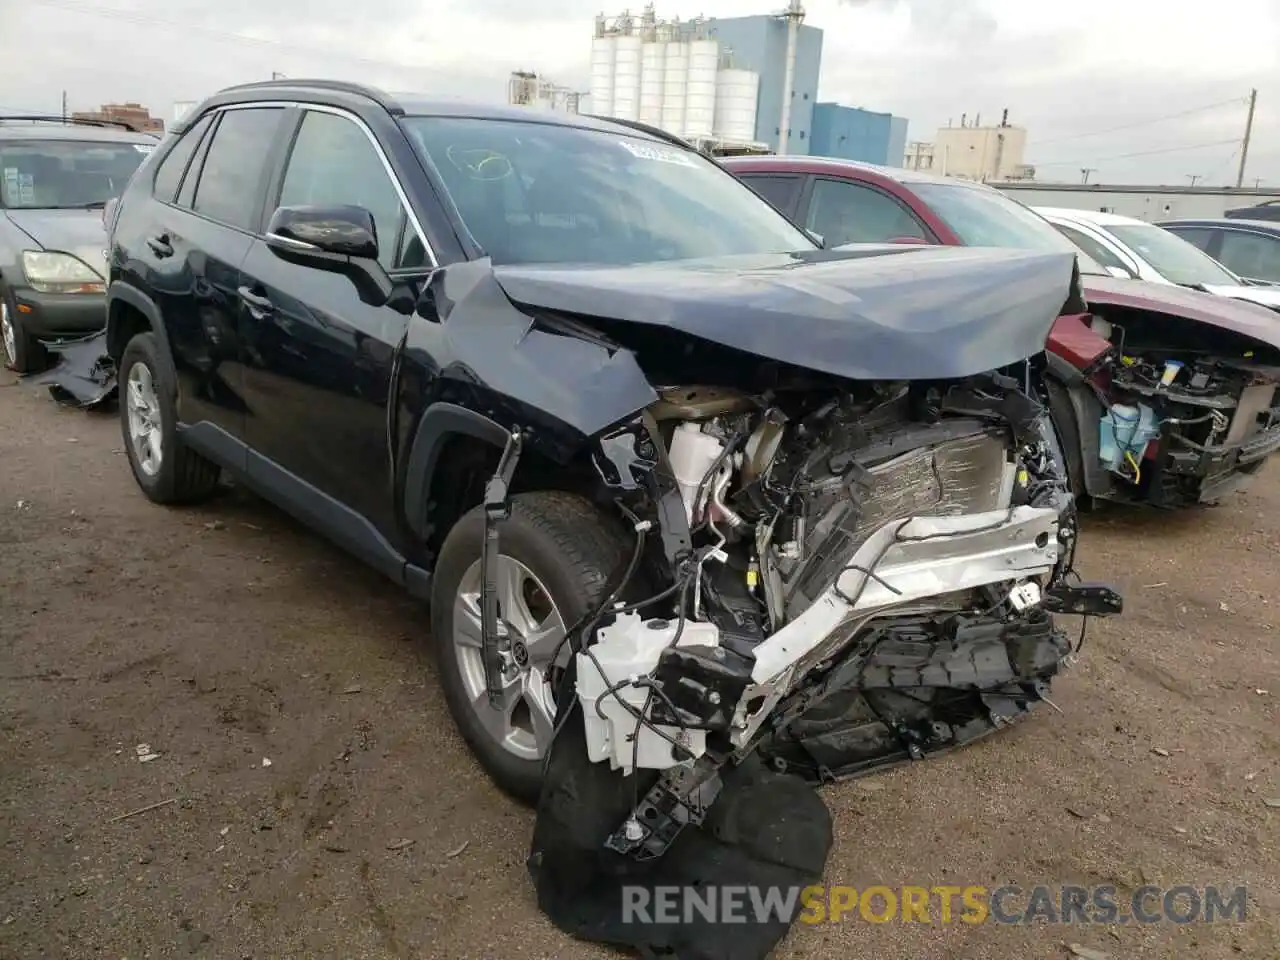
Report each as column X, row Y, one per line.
column 851, row 133
column 760, row 43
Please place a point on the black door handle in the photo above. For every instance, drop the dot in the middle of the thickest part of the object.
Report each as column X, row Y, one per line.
column 160, row 245
column 259, row 306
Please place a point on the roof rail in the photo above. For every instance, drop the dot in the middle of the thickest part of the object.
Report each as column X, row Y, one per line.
column 653, row 131
column 71, row 121
column 382, row 99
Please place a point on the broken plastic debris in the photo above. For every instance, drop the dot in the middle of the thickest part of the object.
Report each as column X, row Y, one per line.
column 1085, row 953
column 1160, row 751
column 145, row 753
column 458, row 849
column 266, row 762
column 1272, row 801
column 401, row 844
column 224, row 831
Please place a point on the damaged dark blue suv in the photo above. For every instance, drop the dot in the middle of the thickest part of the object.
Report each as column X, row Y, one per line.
column 642, row 443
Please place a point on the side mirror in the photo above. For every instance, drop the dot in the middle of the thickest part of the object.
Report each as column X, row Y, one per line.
column 339, row 239
column 1120, row 273
column 817, row 238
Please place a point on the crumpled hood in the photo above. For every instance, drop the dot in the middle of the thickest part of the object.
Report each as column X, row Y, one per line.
column 78, row 232
column 879, row 312
column 1238, row 316
column 1267, row 296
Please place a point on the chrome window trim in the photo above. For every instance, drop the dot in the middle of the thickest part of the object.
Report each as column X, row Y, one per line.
column 382, row 156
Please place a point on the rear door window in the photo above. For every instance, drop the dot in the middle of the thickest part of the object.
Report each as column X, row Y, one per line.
column 230, row 184
column 174, row 165
column 844, row 212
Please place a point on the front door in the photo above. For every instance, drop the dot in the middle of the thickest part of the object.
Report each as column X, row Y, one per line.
column 318, row 361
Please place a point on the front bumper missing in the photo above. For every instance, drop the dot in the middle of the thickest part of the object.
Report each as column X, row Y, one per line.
column 908, row 561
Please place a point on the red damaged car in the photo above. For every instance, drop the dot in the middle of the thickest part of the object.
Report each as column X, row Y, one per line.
column 1161, row 395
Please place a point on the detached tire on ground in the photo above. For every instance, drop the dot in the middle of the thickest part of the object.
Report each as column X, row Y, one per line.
column 559, row 557
column 167, row 472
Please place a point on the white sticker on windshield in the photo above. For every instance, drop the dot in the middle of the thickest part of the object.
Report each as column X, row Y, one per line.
column 644, row 151
column 26, row 188
column 143, row 148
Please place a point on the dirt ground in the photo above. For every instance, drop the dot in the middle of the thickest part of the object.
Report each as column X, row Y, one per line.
column 302, row 737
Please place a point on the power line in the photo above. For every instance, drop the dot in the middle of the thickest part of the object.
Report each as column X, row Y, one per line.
column 129, row 16
column 1140, row 153
column 1143, row 123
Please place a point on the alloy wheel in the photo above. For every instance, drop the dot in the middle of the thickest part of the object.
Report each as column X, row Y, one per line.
column 143, row 408
column 525, row 717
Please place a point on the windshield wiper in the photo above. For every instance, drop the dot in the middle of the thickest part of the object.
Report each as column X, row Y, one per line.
column 92, row 205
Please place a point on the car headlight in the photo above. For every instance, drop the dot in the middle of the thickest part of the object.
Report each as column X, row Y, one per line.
column 53, row 272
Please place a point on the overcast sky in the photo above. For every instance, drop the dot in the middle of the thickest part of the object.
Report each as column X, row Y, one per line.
column 1070, row 73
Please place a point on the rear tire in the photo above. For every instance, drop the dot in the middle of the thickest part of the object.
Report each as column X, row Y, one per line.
column 574, row 554
column 167, row 471
column 23, row 353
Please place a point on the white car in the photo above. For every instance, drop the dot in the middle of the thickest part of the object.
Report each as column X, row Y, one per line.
column 1130, row 248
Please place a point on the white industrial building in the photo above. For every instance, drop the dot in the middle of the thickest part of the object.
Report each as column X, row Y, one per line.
column 1151, row 203
column 671, row 75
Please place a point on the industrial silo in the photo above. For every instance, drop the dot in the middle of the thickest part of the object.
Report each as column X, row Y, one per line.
column 602, row 64
column 626, row 77
column 675, row 87
column 652, row 79
column 737, row 96
column 700, row 100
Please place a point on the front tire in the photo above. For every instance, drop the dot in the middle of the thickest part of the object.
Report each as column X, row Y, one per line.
column 23, row 353
column 167, row 471
column 559, row 557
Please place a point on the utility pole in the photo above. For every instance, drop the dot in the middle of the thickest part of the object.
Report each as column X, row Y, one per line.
column 1084, row 173
column 276, row 75
column 1193, row 177
column 64, row 106
column 1248, row 134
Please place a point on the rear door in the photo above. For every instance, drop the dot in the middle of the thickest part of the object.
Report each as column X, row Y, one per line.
column 319, row 360
column 845, row 211
column 208, row 190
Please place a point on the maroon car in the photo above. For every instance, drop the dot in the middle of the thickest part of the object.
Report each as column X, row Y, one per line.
column 1161, row 394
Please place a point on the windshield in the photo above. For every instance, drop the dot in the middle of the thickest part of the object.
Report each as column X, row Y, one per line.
column 541, row 193
column 1174, row 258
column 65, row 173
column 982, row 217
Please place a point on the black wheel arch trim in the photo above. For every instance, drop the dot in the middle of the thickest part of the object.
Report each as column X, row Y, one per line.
column 135, row 298
column 440, row 422
column 1073, row 407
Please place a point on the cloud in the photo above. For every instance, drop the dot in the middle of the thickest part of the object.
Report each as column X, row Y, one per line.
column 1068, row 74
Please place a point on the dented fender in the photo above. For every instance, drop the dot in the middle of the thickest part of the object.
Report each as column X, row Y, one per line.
column 474, row 364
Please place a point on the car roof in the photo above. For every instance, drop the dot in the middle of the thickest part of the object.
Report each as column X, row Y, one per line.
column 1227, row 223
column 807, row 164
column 19, row 129
column 1088, row 216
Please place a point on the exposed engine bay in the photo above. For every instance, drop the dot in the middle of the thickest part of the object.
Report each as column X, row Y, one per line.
column 1180, row 414
column 862, row 577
